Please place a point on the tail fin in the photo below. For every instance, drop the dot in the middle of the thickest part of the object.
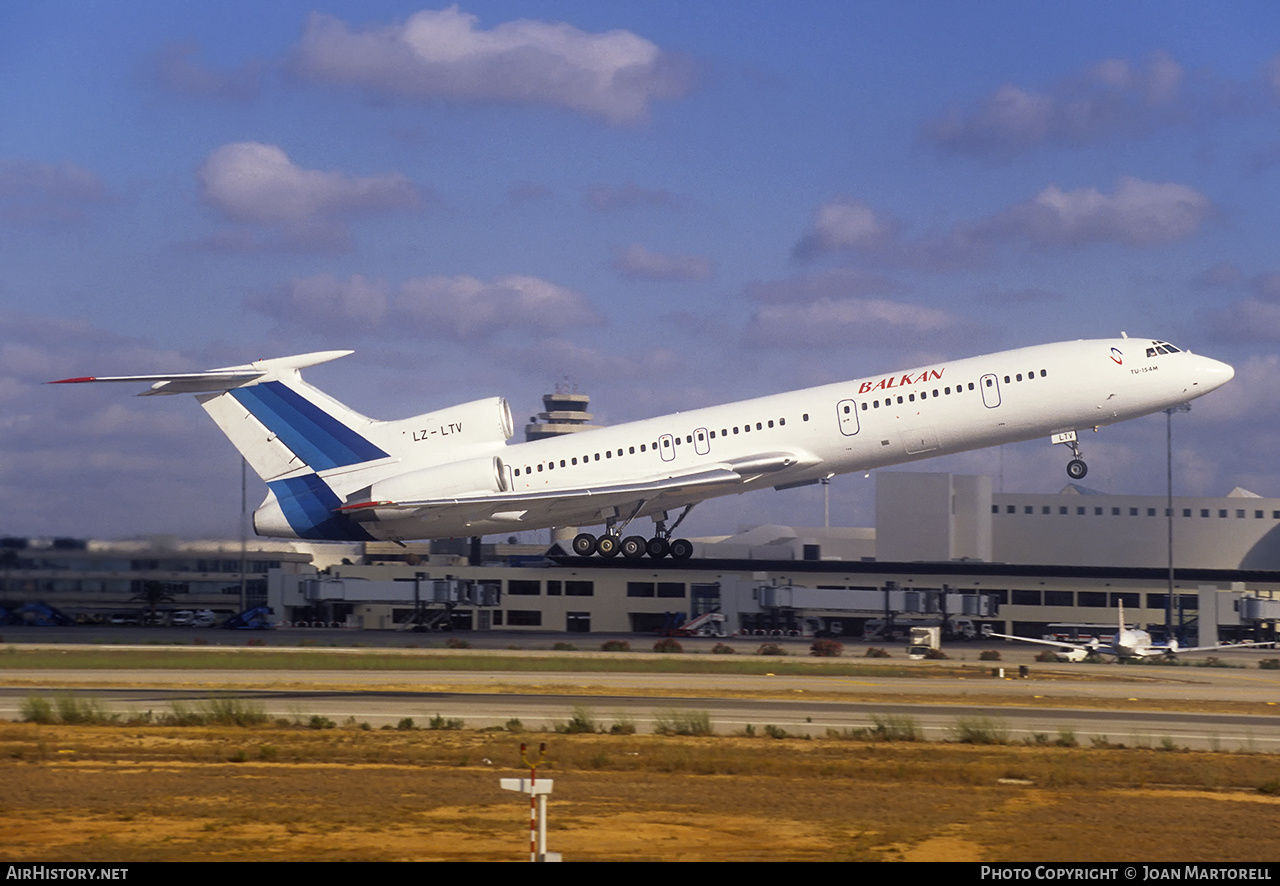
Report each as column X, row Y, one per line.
column 279, row 423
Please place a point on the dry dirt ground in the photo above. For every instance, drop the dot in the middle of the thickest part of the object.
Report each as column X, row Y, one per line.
column 139, row 793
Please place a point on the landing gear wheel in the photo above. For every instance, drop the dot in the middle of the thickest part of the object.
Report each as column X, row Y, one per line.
column 607, row 546
column 657, row 548
column 1076, row 469
column 584, row 544
column 681, row 549
column 633, row 547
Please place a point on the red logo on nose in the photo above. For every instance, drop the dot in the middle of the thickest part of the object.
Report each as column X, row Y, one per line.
column 1117, row 356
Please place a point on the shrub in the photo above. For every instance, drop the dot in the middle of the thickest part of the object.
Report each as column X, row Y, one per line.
column 667, row 644
column 457, row 643
column 580, row 721
column 937, row 655
column 440, row 722
column 564, row 647
column 73, row 710
column 896, row 727
column 876, row 652
column 615, row 646
column 405, row 724
column 624, row 725
column 826, row 648
column 233, row 712
column 1047, row 655
column 775, row 731
column 682, row 723
column 36, row 709
column 1270, row 664
column 771, row 649
column 989, row 655
column 980, row 730
column 318, row 721
column 725, row 649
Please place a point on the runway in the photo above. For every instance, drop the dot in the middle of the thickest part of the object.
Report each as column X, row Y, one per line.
column 1203, row 708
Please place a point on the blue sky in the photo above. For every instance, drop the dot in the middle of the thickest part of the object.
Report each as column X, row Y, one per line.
column 666, row 205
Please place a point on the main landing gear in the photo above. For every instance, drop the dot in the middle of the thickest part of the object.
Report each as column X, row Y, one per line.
column 633, row 547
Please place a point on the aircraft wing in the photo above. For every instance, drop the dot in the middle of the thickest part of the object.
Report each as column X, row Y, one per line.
column 1056, row 643
column 1179, row 650
column 588, row 503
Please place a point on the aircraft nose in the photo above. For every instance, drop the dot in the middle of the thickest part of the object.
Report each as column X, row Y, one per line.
column 1215, row 373
column 1220, row 373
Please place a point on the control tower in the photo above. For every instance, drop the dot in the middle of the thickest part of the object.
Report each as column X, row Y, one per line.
column 566, row 413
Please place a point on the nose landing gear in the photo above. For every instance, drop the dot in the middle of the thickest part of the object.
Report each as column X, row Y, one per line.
column 1076, row 468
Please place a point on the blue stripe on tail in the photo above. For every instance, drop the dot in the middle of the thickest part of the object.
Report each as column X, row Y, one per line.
column 308, row 504
column 314, row 435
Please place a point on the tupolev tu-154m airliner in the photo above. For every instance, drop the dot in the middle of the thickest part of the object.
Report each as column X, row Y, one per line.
column 332, row 473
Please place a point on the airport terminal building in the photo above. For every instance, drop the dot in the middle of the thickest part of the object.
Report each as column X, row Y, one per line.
column 944, row 548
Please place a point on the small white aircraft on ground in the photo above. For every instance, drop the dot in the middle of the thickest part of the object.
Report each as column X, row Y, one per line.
column 1127, row 643
column 332, row 473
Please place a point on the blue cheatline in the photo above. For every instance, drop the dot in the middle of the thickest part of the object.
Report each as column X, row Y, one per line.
column 312, row 434
column 308, row 504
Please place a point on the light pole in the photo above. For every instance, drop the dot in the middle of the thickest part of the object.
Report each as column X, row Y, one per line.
column 1168, row 439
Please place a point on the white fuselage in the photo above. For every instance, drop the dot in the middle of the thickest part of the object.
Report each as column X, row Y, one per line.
column 801, row 436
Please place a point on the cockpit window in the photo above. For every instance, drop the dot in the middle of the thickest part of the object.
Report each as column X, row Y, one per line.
column 1161, row 347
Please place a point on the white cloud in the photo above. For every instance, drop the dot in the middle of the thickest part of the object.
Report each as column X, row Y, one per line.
column 1250, row 320
column 559, row 358
column 1109, row 98
column 253, row 182
column 1271, row 75
column 460, row 308
column 178, row 68
column 468, row 307
column 846, row 224
column 442, row 54
column 41, row 193
column 328, row 303
column 1138, row 213
column 849, row 321
column 639, row 262
column 608, row 198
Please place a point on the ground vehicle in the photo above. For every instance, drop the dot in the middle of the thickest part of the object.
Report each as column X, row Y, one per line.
column 953, row 629
column 924, row 640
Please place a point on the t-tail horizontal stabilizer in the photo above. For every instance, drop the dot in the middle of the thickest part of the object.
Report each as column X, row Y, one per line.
column 214, row 380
